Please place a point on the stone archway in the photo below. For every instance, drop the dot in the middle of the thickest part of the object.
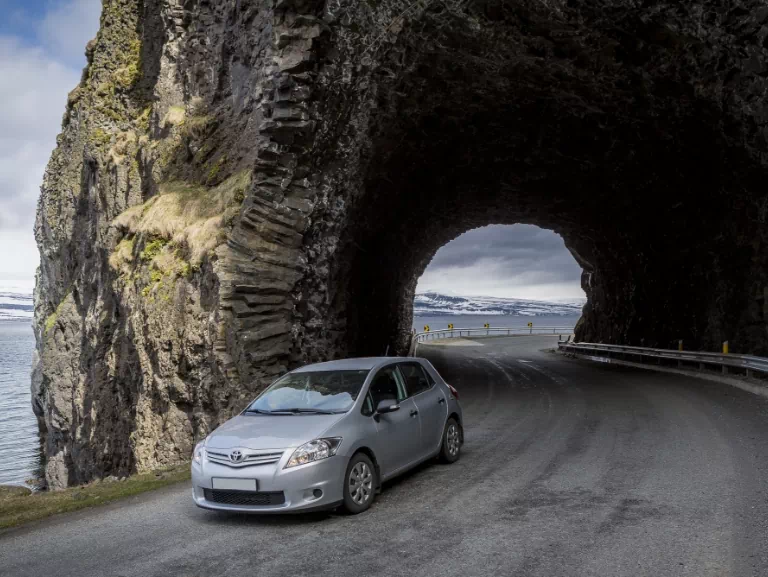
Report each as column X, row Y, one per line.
column 613, row 127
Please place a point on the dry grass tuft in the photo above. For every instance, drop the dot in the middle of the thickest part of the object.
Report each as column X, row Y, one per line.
column 122, row 257
column 125, row 143
column 188, row 214
column 174, row 117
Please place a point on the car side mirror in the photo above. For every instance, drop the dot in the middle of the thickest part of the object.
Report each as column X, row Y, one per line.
column 386, row 406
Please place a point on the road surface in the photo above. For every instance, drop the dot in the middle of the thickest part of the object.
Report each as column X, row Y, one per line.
column 570, row 468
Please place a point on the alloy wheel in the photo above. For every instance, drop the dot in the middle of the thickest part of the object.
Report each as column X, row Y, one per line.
column 452, row 440
column 360, row 483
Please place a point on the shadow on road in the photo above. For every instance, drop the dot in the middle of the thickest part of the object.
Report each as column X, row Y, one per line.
column 219, row 518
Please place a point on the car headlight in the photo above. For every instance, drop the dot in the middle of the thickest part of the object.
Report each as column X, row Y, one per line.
column 199, row 453
column 314, row 451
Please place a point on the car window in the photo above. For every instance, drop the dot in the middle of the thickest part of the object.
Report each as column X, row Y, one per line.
column 386, row 385
column 417, row 380
column 367, row 409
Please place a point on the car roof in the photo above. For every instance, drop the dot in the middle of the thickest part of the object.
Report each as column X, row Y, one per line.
column 359, row 364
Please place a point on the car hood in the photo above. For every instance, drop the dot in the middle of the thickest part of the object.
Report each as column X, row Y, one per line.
column 270, row 431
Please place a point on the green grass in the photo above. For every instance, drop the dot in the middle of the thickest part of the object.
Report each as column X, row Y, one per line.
column 50, row 322
column 152, row 249
column 19, row 506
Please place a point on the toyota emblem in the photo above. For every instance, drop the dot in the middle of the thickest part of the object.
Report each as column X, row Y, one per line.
column 236, row 456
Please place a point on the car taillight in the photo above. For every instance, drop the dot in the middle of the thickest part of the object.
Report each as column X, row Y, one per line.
column 454, row 392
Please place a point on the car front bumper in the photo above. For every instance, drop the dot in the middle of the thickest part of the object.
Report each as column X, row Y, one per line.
column 299, row 485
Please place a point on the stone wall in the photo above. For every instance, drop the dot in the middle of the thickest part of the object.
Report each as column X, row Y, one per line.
column 241, row 187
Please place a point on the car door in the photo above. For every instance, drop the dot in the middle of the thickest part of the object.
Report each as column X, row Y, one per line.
column 398, row 433
column 430, row 402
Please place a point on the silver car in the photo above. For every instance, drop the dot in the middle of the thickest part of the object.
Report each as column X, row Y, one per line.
column 328, row 435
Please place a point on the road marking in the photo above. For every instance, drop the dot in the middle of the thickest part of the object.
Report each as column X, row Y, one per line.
column 523, row 361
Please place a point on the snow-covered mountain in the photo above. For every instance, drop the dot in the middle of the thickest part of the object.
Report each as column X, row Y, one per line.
column 432, row 303
column 15, row 301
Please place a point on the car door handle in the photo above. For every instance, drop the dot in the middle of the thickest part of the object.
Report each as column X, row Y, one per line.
column 441, row 401
column 414, row 413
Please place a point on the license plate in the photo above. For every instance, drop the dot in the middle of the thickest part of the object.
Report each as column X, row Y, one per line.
column 235, row 484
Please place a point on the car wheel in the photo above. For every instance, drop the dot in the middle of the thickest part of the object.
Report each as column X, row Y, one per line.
column 359, row 484
column 451, row 447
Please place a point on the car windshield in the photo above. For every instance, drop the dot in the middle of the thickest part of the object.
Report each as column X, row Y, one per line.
column 311, row 392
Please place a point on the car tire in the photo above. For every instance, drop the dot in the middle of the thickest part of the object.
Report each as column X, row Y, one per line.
column 360, row 484
column 450, row 449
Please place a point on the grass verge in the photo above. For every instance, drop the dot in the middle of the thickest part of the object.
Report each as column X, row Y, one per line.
column 19, row 506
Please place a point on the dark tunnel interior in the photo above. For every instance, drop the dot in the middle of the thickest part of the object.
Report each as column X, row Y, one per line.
column 620, row 137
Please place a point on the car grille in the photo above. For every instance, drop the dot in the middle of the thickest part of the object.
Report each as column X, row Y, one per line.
column 251, row 459
column 244, row 497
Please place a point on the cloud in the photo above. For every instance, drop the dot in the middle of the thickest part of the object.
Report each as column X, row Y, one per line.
column 68, row 27
column 34, row 83
column 33, row 91
column 521, row 261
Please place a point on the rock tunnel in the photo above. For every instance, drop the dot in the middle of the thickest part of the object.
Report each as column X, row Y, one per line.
column 612, row 126
column 343, row 143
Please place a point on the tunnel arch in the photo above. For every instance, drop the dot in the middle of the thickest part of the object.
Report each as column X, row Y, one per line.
column 519, row 262
column 617, row 133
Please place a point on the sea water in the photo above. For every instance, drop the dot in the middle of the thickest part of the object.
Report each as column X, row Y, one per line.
column 19, row 444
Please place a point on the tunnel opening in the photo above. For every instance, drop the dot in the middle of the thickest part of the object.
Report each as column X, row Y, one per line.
column 503, row 275
column 617, row 141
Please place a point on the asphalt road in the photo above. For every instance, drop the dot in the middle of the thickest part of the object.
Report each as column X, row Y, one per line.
column 569, row 468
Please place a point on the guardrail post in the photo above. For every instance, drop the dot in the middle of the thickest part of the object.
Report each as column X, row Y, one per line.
column 701, row 366
column 749, row 373
column 725, row 369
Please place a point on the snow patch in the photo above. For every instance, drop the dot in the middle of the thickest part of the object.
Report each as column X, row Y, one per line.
column 432, row 303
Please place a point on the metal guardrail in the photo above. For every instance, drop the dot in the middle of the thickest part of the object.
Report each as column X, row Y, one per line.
column 484, row 332
column 747, row 363
column 451, row 333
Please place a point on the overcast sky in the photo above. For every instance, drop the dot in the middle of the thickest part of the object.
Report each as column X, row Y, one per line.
column 520, row 261
column 41, row 57
column 42, row 45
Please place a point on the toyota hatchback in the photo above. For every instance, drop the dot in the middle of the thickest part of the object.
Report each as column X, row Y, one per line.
column 328, row 435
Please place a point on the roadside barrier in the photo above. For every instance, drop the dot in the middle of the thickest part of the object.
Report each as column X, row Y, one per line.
column 701, row 361
column 487, row 331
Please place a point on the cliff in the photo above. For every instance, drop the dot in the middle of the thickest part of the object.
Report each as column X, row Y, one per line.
column 135, row 299
column 242, row 186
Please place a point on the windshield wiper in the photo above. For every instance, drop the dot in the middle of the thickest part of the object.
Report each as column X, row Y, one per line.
column 298, row 411
column 294, row 411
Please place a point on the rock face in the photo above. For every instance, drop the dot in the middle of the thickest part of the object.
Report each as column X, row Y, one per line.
column 244, row 186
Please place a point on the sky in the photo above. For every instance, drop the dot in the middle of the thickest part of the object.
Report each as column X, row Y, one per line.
column 520, row 261
column 42, row 44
